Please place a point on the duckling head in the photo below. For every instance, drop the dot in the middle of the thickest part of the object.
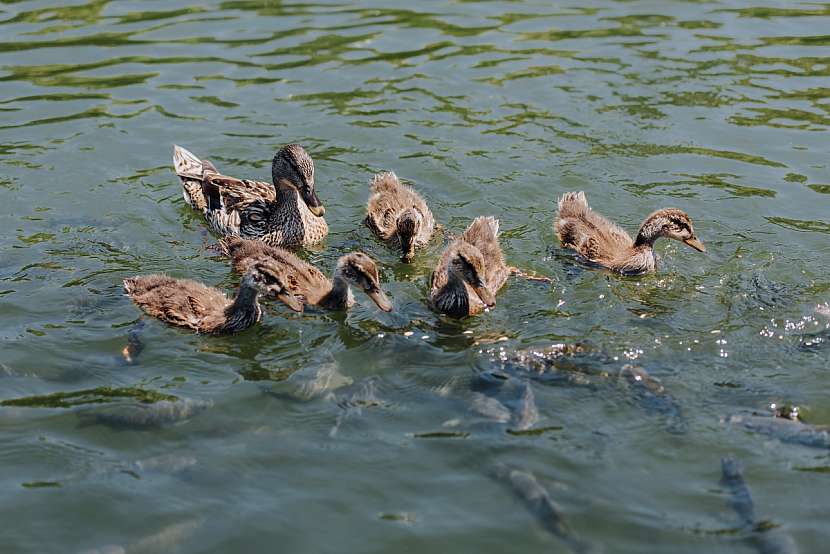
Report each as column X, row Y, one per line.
column 670, row 223
column 292, row 165
column 467, row 263
column 360, row 270
column 268, row 279
column 408, row 227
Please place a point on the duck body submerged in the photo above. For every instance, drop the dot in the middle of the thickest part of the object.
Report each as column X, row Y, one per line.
column 286, row 212
column 602, row 242
column 307, row 282
column 398, row 214
column 191, row 304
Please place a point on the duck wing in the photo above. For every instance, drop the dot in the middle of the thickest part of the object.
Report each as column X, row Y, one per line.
column 219, row 197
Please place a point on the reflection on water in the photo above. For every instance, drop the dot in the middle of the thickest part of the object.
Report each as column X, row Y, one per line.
column 487, row 108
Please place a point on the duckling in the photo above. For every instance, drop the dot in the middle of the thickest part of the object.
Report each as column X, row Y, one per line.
column 397, row 213
column 287, row 212
column 470, row 272
column 191, row 304
column 600, row 241
column 306, row 281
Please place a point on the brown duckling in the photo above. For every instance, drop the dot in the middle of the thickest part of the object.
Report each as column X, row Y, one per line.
column 306, row 281
column 600, row 241
column 398, row 214
column 470, row 272
column 206, row 309
column 287, row 212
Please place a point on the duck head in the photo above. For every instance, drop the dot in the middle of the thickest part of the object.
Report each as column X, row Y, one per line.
column 269, row 279
column 670, row 223
column 408, row 226
column 467, row 264
column 360, row 270
column 293, row 166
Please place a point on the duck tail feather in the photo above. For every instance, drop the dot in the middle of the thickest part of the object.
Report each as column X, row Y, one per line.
column 489, row 223
column 572, row 203
column 186, row 164
column 384, row 180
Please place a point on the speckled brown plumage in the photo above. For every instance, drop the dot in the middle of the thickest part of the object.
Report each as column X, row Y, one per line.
column 399, row 215
column 600, row 241
column 191, row 304
column 306, row 281
column 286, row 212
column 470, row 272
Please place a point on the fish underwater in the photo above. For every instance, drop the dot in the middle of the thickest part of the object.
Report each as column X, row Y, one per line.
column 765, row 538
column 539, row 503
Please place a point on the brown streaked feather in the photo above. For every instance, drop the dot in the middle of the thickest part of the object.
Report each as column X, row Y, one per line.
column 234, row 191
column 181, row 302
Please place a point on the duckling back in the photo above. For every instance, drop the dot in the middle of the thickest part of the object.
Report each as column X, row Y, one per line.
column 388, row 200
column 593, row 236
column 181, row 302
column 302, row 278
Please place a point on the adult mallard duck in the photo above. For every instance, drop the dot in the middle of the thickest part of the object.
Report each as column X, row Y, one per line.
column 600, row 241
column 205, row 309
column 471, row 271
column 286, row 213
column 306, row 281
column 397, row 213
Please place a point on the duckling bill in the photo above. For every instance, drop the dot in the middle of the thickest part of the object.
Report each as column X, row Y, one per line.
column 600, row 241
column 191, row 304
column 399, row 215
column 307, row 282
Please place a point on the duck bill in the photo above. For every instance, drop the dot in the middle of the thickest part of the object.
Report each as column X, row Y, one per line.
column 290, row 300
column 695, row 243
column 408, row 250
column 313, row 202
column 380, row 298
column 486, row 296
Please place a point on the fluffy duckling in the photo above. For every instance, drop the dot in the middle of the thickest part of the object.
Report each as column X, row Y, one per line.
column 306, row 281
column 600, row 241
column 287, row 212
column 206, row 309
column 398, row 214
column 470, row 272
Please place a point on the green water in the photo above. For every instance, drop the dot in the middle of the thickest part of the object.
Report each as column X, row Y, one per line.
column 359, row 432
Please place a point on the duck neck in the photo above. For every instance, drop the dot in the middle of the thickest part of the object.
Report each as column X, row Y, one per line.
column 288, row 199
column 244, row 311
column 648, row 234
column 340, row 296
column 296, row 223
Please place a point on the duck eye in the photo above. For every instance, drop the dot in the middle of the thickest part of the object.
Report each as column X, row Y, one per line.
column 254, row 217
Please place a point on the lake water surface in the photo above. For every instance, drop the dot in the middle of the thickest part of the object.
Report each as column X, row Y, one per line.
column 374, row 432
